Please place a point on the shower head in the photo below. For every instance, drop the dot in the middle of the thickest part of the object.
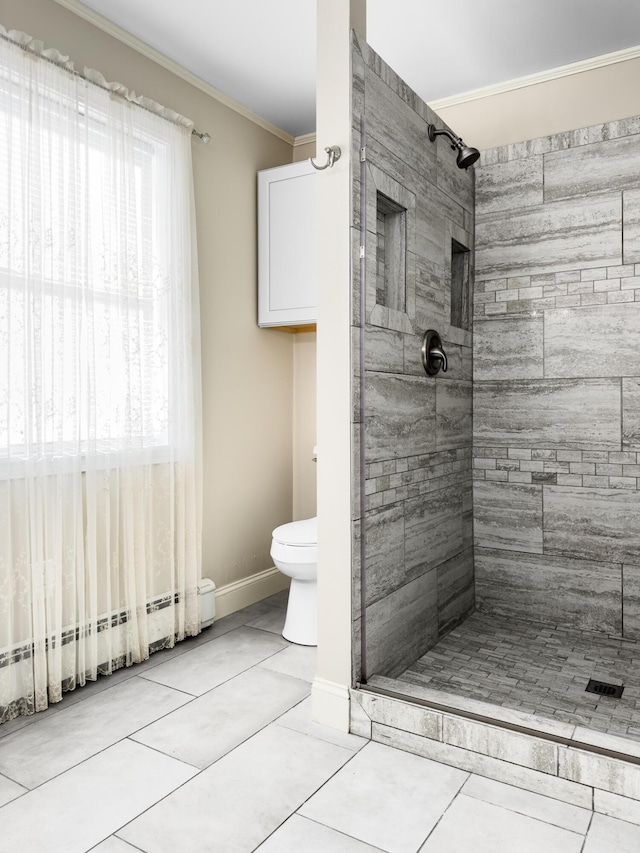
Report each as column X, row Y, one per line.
column 466, row 155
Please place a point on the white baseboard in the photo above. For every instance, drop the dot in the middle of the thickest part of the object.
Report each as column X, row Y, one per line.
column 330, row 704
column 234, row 596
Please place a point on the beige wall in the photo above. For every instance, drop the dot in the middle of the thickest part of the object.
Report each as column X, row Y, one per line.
column 304, row 425
column 304, row 402
column 247, row 371
column 564, row 103
column 303, row 150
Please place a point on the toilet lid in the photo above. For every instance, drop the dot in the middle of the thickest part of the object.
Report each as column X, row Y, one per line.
column 298, row 532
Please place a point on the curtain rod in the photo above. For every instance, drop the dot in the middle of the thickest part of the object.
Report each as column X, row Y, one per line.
column 62, row 64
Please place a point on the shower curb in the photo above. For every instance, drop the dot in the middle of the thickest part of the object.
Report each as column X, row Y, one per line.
column 564, row 768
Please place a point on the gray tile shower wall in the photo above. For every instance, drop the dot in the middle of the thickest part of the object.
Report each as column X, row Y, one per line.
column 411, row 207
column 557, row 379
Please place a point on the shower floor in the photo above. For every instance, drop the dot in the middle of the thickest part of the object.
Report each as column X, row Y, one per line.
column 537, row 668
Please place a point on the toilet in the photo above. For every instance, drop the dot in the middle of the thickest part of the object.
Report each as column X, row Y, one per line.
column 294, row 550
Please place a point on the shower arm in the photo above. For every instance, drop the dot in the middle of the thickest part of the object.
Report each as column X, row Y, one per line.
column 466, row 156
column 433, row 132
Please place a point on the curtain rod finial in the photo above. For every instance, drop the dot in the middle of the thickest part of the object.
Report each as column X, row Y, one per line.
column 204, row 137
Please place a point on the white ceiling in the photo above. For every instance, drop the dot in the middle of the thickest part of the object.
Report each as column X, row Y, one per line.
column 262, row 52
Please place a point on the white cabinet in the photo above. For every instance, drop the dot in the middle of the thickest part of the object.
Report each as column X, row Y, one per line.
column 287, row 245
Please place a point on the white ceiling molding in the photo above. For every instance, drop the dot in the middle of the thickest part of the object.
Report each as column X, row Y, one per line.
column 541, row 77
column 304, row 139
column 521, row 82
column 138, row 45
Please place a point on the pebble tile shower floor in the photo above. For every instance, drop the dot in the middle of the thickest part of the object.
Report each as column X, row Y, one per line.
column 538, row 668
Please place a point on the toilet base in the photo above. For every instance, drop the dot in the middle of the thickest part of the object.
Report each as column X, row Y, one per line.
column 301, row 622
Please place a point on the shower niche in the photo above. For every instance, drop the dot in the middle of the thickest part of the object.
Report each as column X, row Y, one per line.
column 460, row 286
column 391, row 254
column 389, row 241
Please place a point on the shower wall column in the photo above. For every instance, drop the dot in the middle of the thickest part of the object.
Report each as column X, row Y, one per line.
column 413, row 212
column 330, row 696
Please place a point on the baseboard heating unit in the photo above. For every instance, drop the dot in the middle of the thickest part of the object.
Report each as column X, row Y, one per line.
column 160, row 627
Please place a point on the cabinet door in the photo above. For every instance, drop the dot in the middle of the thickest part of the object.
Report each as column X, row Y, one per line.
column 286, row 245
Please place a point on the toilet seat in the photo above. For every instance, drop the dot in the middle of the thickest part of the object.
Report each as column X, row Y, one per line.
column 297, row 533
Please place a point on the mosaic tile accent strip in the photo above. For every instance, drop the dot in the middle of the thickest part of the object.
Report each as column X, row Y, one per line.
column 396, row 480
column 609, row 469
column 529, row 295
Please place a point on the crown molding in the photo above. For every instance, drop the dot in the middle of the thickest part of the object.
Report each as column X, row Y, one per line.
column 541, row 77
column 305, row 139
column 102, row 23
column 156, row 56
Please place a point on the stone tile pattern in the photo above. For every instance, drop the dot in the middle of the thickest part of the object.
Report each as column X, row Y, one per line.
column 416, row 430
column 395, row 480
column 524, row 295
column 591, row 469
column 556, row 379
column 537, row 668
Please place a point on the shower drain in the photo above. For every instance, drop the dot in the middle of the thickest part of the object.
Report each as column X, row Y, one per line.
column 602, row 688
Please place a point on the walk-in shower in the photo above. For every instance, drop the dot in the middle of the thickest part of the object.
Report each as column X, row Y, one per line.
column 497, row 562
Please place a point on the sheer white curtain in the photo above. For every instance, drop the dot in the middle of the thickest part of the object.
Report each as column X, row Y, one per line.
column 99, row 381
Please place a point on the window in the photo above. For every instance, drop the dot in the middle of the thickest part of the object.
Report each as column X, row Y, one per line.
column 85, row 299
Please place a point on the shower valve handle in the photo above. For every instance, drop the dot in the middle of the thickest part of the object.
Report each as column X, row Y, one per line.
column 434, row 358
column 438, row 353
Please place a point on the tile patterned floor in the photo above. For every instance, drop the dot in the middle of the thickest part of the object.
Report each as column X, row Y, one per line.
column 537, row 668
column 210, row 747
